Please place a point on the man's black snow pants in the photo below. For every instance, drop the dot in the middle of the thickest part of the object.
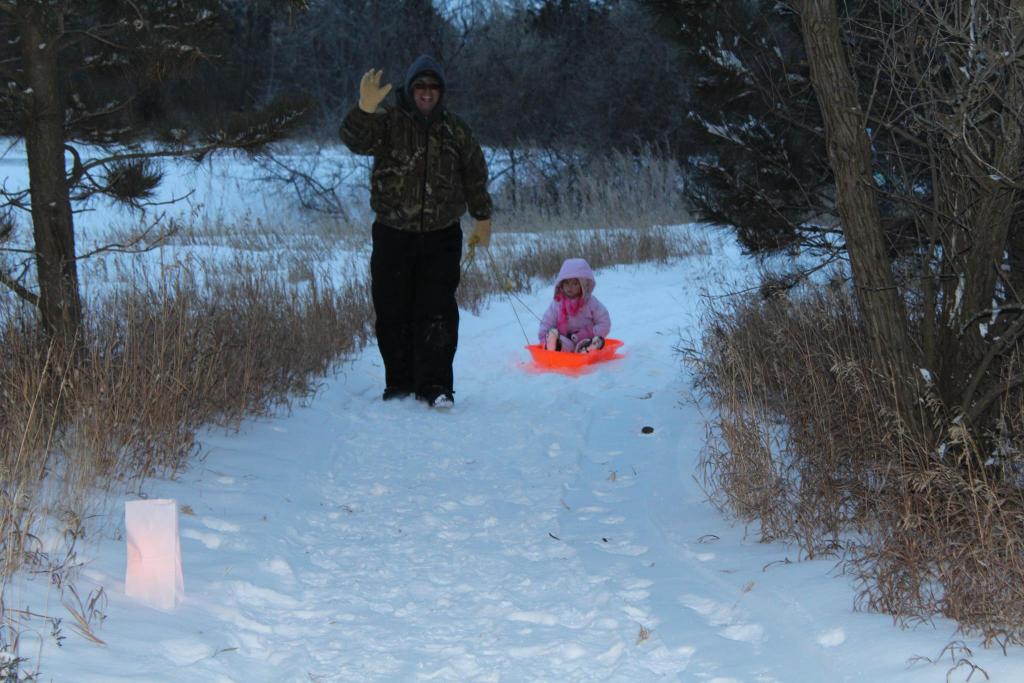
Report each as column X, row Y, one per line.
column 413, row 278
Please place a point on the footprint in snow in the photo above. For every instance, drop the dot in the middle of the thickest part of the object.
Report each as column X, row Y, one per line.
column 279, row 567
column 542, row 618
column 615, row 547
column 185, row 651
column 832, row 638
column 219, row 524
column 747, row 633
column 634, row 595
column 639, row 615
column 247, row 593
column 612, row 654
column 665, row 662
column 715, row 613
column 719, row 614
column 211, row 541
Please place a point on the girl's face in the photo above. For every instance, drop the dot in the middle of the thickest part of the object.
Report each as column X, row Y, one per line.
column 571, row 288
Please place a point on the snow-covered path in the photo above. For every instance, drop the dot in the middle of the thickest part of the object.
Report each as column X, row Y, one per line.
column 534, row 533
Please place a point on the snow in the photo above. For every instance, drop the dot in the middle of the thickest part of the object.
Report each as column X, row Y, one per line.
column 534, row 532
column 528, row 534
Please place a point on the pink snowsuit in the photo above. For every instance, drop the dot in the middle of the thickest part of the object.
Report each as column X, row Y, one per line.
column 578, row 320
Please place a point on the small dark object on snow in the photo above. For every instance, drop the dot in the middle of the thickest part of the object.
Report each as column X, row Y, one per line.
column 648, row 430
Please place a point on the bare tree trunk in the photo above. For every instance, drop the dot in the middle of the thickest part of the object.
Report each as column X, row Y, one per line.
column 983, row 153
column 849, row 152
column 962, row 346
column 57, row 272
column 1015, row 253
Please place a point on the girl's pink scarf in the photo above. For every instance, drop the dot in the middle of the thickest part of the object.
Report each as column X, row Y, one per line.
column 567, row 308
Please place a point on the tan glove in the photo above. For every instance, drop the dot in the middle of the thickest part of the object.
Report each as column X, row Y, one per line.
column 371, row 92
column 481, row 233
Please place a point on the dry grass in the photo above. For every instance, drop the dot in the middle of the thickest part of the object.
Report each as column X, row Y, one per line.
column 514, row 268
column 545, row 190
column 168, row 358
column 802, row 413
column 311, row 235
column 806, row 445
column 158, row 362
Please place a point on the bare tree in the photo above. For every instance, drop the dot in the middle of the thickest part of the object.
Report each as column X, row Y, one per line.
column 922, row 102
column 72, row 73
column 849, row 153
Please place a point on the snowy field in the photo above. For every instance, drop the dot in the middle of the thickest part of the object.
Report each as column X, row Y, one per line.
column 224, row 187
column 536, row 532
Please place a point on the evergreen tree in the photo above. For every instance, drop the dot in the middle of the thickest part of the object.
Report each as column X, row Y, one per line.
column 761, row 165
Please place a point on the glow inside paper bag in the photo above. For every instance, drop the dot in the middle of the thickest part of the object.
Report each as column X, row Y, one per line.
column 154, row 553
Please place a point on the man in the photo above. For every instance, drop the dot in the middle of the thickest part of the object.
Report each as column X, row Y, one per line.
column 427, row 168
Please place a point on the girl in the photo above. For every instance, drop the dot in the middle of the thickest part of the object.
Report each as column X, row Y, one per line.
column 575, row 322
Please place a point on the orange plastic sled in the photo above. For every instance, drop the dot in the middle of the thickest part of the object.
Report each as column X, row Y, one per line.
column 569, row 362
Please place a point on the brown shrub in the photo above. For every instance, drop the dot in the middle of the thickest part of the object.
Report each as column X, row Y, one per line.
column 157, row 362
column 805, row 442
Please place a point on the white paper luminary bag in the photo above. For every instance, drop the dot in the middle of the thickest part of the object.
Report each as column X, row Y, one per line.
column 154, row 553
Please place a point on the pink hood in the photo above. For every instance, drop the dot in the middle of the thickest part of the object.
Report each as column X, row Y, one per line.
column 576, row 268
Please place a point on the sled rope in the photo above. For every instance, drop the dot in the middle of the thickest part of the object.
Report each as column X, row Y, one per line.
column 504, row 285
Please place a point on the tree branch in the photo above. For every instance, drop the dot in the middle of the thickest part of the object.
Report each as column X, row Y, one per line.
column 1007, row 339
column 16, row 287
column 991, row 397
column 129, row 247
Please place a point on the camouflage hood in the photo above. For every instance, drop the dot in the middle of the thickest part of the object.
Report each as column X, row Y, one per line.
column 424, row 64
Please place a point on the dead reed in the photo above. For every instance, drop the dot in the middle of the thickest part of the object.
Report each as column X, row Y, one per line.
column 513, row 266
column 805, row 445
column 543, row 190
column 159, row 361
